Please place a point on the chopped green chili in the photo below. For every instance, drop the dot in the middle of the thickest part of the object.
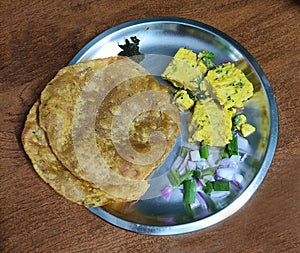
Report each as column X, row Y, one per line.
column 204, row 151
column 176, row 179
column 208, row 188
column 232, row 147
column 197, row 174
column 208, row 172
column 189, row 195
column 221, row 186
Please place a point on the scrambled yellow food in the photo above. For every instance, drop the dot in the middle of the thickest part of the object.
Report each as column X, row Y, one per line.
column 184, row 70
column 230, row 85
column 183, row 100
column 247, row 129
column 210, row 123
column 212, row 93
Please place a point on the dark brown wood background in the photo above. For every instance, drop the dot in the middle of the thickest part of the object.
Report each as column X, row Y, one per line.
column 39, row 37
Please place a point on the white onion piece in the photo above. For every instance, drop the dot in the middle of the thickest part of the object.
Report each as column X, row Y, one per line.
column 195, row 155
column 166, row 192
column 236, row 159
column 202, row 164
column 228, row 173
column 191, row 165
column 199, row 184
column 225, row 162
column 244, row 157
column 214, row 156
column 178, row 161
column 219, row 194
column 202, row 182
column 243, row 145
column 239, row 178
column 199, row 202
column 182, row 167
column 210, row 178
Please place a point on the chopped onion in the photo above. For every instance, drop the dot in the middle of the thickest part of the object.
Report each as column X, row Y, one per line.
column 195, row 155
column 235, row 159
column 182, row 167
column 199, row 202
column 226, row 173
column 199, row 183
column 239, row 178
column 219, row 178
column 243, row 144
column 178, row 161
column 225, row 162
column 237, row 184
column 202, row 164
column 202, row 182
column 191, row 165
column 214, row 156
column 244, row 157
column 210, row 178
column 219, row 174
column 166, row 192
column 219, row 194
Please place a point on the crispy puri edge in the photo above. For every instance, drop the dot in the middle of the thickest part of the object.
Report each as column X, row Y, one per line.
column 88, row 201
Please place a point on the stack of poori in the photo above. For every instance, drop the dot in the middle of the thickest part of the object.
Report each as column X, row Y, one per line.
column 99, row 129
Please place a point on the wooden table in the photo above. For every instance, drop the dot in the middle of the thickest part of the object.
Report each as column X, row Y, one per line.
column 39, row 37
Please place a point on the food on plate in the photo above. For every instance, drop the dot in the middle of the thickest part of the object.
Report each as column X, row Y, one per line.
column 183, row 100
column 131, row 49
column 109, row 124
column 51, row 170
column 230, row 85
column 185, row 69
column 212, row 94
column 240, row 124
column 246, row 129
column 145, row 95
column 210, row 124
column 203, row 184
column 101, row 127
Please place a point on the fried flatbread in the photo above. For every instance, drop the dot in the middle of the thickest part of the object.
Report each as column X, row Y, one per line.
column 53, row 172
column 102, row 120
column 129, row 116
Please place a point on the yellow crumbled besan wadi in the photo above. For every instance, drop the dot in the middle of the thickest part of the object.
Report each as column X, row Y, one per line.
column 211, row 124
column 230, row 85
column 217, row 90
column 184, row 70
column 183, row 100
column 247, row 129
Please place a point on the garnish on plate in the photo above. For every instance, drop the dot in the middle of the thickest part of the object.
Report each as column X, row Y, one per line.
column 131, row 49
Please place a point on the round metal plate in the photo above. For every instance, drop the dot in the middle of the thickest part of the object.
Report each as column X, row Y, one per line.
column 164, row 36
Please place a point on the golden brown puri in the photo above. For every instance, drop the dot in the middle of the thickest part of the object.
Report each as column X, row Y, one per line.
column 51, row 170
column 78, row 109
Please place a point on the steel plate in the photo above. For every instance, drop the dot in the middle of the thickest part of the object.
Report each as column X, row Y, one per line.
column 160, row 38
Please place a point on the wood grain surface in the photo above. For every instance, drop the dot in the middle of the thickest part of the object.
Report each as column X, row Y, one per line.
column 38, row 37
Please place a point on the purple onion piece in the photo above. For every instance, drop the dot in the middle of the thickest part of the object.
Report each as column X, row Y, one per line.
column 166, row 192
